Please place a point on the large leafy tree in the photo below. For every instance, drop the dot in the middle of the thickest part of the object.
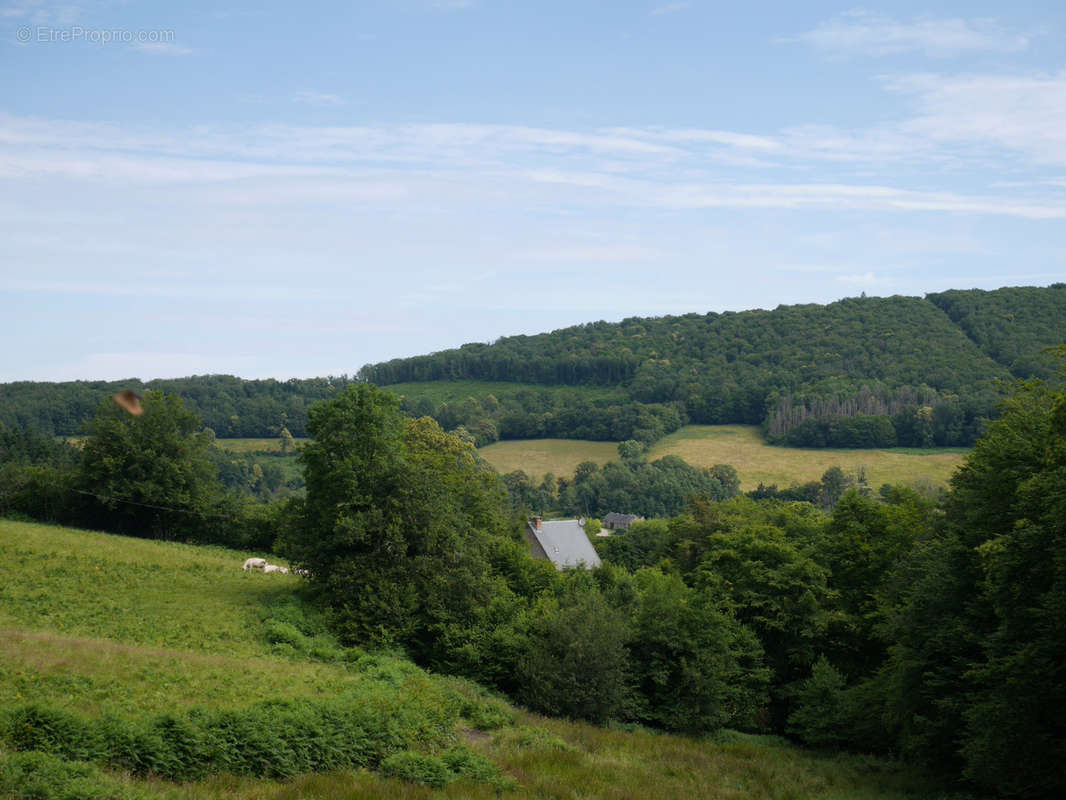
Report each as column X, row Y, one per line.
column 1011, row 500
column 575, row 663
column 976, row 675
column 399, row 525
column 696, row 667
column 149, row 475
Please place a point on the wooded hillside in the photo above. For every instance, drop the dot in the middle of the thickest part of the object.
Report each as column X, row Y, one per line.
column 860, row 372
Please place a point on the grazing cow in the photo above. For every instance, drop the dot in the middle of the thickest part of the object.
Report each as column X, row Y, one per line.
column 303, row 573
column 255, row 563
column 276, row 568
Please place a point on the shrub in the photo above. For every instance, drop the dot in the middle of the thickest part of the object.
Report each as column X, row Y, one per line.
column 277, row 739
column 819, row 715
column 483, row 711
column 285, row 633
column 418, row 768
column 469, row 764
column 577, row 665
column 49, row 777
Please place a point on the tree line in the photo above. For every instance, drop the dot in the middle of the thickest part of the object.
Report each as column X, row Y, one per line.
column 231, row 407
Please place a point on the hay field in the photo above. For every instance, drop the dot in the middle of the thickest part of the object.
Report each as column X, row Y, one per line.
column 756, row 462
column 254, row 445
column 536, row 457
column 741, row 446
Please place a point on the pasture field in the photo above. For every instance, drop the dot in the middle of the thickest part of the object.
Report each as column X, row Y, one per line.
column 756, row 462
column 742, row 447
column 272, row 445
column 148, row 640
column 536, row 457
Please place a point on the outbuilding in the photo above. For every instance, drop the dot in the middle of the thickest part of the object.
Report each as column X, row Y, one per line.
column 620, row 522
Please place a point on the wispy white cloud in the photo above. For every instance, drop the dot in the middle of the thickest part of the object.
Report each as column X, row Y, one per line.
column 453, row 5
column 590, row 253
column 868, row 33
column 670, row 8
column 41, row 12
column 1025, row 114
column 163, row 49
column 317, row 98
column 611, row 167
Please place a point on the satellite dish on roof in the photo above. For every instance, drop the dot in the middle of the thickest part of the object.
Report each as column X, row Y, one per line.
column 581, row 522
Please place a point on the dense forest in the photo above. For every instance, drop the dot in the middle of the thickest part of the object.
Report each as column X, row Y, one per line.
column 1012, row 326
column 860, row 372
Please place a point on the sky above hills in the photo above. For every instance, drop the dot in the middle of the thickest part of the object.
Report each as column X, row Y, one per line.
column 284, row 190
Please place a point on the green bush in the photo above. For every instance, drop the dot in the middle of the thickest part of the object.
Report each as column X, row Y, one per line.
column 489, row 714
column 819, row 716
column 483, row 711
column 418, row 768
column 47, row 777
column 276, row 739
column 285, row 633
column 468, row 764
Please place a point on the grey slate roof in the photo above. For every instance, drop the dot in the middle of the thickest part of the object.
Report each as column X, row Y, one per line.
column 565, row 543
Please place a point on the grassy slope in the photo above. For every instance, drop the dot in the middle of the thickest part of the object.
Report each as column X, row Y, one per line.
column 106, row 623
column 738, row 445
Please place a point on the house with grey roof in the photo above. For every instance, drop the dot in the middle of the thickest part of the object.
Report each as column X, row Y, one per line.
column 563, row 542
column 620, row 522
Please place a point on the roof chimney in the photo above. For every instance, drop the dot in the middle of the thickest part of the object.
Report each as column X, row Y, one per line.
column 536, row 523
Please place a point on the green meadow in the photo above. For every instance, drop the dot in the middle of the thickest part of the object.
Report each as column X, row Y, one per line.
column 272, row 445
column 742, row 447
column 756, row 462
column 536, row 457
column 111, row 639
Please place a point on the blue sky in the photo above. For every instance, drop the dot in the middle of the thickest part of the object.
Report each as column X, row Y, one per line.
column 289, row 190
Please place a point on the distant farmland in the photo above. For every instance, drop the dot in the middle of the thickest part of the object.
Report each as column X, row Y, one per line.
column 272, row 445
column 705, row 445
column 536, row 457
column 743, row 448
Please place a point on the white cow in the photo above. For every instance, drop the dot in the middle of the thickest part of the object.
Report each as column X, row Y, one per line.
column 255, row 563
column 276, row 568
